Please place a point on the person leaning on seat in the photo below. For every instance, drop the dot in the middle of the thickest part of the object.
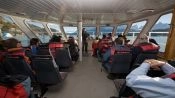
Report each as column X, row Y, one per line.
column 152, row 87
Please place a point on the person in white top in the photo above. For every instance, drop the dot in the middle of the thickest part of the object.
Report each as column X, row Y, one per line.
column 152, row 87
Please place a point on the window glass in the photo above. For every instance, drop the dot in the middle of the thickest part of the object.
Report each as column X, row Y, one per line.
column 105, row 30
column 160, row 30
column 55, row 29
column 10, row 30
column 39, row 30
column 71, row 31
column 134, row 31
column 91, row 31
column 121, row 29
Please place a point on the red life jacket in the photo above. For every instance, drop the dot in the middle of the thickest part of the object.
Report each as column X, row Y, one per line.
column 150, row 47
column 17, row 91
column 53, row 46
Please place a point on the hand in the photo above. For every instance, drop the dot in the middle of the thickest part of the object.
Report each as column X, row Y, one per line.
column 155, row 64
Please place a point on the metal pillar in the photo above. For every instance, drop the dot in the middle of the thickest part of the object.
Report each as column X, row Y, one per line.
column 80, row 24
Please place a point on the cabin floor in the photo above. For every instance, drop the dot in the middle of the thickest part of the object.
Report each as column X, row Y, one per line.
column 85, row 81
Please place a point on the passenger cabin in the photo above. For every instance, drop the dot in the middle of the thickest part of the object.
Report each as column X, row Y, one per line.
column 60, row 72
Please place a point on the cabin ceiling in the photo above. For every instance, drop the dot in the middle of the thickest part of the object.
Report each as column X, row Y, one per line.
column 91, row 11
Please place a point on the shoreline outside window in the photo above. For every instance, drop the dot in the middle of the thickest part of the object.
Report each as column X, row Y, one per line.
column 91, row 31
column 39, row 30
column 160, row 30
column 10, row 30
column 71, row 31
column 55, row 30
column 120, row 29
column 105, row 30
column 134, row 31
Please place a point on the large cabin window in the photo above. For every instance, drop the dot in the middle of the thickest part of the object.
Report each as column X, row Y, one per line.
column 91, row 31
column 55, row 29
column 121, row 29
column 71, row 31
column 104, row 30
column 38, row 29
column 135, row 29
column 160, row 30
column 10, row 30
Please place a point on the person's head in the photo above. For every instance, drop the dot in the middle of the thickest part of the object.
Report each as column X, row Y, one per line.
column 12, row 43
column 120, row 35
column 55, row 38
column 83, row 30
column 109, row 34
column 96, row 38
column 119, row 41
column 104, row 36
column 71, row 40
column 34, row 41
column 144, row 39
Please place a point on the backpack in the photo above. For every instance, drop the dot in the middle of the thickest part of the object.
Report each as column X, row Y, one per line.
column 74, row 52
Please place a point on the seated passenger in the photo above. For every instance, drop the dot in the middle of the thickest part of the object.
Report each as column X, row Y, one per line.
column 144, row 46
column 55, row 42
column 95, row 46
column 152, row 87
column 118, row 47
column 34, row 42
column 73, row 48
column 14, row 48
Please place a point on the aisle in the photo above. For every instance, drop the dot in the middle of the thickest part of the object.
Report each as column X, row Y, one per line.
column 85, row 81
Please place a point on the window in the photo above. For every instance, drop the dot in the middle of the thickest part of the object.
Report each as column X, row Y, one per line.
column 39, row 30
column 10, row 30
column 106, row 30
column 55, row 29
column 160, row 30
column 121, row 29
column 134, row 31
column 91, row 31
column 71, row 31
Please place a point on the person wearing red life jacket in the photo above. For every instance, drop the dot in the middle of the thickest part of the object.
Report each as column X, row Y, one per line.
column 144, row 46
column 152, row 87
column 14, row 48
column 55, row 42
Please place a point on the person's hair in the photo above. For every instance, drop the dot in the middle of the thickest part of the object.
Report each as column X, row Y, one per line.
column 55, row 39
column 71, row 40
column 34, row 41
column 96, row 38
column 109, row 34
column 104, row 36
column 11, row 43
column 119, row 41
column 120, row 35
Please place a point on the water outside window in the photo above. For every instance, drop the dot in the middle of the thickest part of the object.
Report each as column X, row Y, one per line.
column 71, row 31
column 135, row 29
column 160, row 30
column 91, row 31
column 121, row 29
column 10, row 30
column 39, row 30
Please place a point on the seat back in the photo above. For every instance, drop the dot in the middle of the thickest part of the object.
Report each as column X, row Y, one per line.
column 63, row 59
column 46, row 73
column 43, row 51
column 143, row 56
column 121, row 63
column 15, row 65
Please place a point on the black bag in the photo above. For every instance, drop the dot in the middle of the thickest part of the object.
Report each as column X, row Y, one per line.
column 74, row 52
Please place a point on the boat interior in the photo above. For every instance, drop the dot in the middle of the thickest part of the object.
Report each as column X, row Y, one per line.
column 86, row 77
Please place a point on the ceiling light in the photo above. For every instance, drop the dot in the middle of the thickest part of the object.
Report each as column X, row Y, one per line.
column 147, row 10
